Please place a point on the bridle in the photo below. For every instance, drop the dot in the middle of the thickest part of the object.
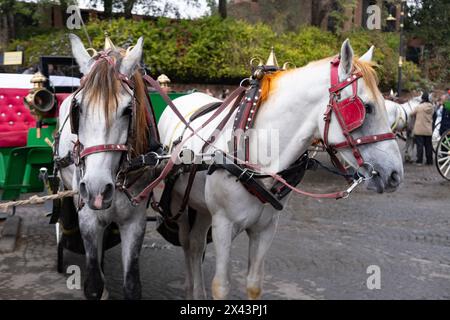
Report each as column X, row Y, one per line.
column 79, row 152
column 350, row 113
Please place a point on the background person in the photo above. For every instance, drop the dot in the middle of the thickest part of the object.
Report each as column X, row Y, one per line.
column 423, row 129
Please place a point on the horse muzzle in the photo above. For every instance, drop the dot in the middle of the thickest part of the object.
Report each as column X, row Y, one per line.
column 98, row 196
column 382, row 182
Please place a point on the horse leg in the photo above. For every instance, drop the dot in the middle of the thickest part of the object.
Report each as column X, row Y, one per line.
column 260, row 239
column 132, row 235
column 197, row 246
column 222, row 232
column 183, row 234
column 92, row 234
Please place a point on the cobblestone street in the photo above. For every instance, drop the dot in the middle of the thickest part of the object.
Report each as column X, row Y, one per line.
column 321, row 250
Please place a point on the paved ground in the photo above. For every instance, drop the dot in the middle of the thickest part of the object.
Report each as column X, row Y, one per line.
column 321, row 251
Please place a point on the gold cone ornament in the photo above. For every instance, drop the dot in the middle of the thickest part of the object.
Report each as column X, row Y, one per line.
column 272, row 60
column 108, row 43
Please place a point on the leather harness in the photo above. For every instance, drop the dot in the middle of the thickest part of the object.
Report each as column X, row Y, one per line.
column 247, row 102
column 350, row 114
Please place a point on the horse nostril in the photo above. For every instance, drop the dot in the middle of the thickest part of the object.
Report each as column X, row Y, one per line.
column 83, row 190
column 394, row 179
column 108, row 192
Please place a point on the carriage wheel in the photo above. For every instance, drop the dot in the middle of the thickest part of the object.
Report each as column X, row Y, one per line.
column 59, row 249
column 435, row 138
column 443, row 155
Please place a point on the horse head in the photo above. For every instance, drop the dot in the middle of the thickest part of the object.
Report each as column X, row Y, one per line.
column 380, row 157
column 104, row 111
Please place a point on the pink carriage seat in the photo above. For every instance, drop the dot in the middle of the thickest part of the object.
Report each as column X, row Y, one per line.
column 16, row 118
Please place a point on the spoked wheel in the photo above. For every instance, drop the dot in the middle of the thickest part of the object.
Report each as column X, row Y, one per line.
column 435, row 138
column 443, row 155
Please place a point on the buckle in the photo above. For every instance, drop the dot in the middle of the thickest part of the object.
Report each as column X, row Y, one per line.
column 245, row 171
column 352, row 187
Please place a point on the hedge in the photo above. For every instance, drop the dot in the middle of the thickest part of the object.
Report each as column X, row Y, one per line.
column 215, row 50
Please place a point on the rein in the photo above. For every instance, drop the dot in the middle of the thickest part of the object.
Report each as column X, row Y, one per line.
column 247, row 172
column 251, row 101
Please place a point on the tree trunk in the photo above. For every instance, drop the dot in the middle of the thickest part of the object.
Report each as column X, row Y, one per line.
column 12, row 26
column 108, row 4
column 4, row 31
column 319, row 11
column 128, row 7
column 223, row 8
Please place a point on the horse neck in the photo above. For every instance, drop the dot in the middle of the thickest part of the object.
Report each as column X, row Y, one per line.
column 410, row 106
column 292, row 111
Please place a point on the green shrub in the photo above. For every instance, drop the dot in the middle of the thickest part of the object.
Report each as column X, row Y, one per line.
column 216, row 50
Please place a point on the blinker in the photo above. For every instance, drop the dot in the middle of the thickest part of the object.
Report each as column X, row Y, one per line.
column 352, row 112
column 75, row 111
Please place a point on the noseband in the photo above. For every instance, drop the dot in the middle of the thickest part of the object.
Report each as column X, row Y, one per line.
column 350, row 113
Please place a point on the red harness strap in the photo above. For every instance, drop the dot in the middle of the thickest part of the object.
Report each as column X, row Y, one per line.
column 350, row 121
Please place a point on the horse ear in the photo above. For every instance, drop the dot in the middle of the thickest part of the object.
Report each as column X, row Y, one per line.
column 132, row 58
column 368, row 56
column 79, row 52
column 345, row 66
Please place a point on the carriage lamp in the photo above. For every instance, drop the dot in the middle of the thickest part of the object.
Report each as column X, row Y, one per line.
column 39, row 100
column 390, row 23
column 164, row 82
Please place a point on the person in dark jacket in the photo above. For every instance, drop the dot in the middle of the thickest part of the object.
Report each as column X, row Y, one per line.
column 423, row 129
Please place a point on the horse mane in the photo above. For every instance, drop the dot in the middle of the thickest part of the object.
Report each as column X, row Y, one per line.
column 141, row 142
column 369, row 75
column 268, row 84
column 101, row 88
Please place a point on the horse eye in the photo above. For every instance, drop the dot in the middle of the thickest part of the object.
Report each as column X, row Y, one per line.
column 126, row 111
column 369, row 107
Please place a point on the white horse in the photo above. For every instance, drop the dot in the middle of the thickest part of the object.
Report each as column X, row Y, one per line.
column 401, row 119
column 104, row 119
column 295, row 109
column 400, row 114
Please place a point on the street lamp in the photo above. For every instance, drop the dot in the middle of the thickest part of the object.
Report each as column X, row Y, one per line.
column 390, row 23
column 400, row 51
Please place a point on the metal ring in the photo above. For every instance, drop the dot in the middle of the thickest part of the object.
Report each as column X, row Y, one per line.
column 94, row 52
column 286, row 65
column 157, row 159
column 369, row 167
column 260, row 62
column 240, row 84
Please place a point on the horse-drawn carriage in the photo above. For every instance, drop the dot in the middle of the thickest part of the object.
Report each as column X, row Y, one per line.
column 100, row 169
